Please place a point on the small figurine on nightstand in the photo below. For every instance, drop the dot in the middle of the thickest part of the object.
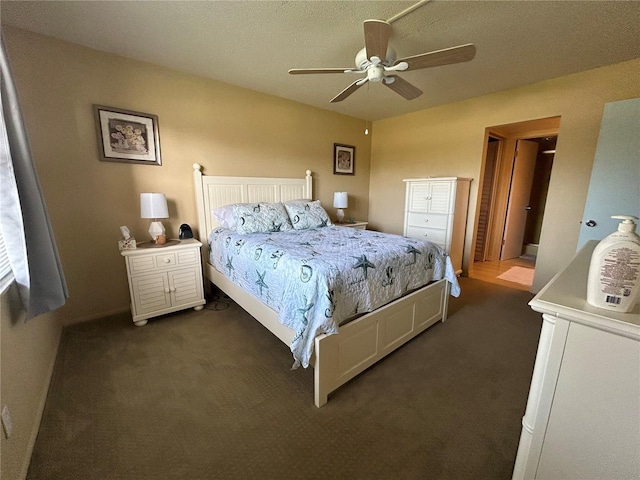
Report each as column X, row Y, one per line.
column 161, row 239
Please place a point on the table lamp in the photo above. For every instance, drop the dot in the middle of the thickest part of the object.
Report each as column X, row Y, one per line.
column 340, row 201
column 154, row 206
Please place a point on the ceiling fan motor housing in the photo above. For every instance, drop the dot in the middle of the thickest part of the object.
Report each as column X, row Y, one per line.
column 362, row 62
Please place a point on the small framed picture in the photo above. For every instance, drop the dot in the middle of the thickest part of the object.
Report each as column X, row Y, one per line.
column 126, row 136
column 344, row 159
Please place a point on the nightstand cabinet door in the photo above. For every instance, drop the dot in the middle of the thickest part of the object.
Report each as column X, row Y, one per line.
column 185, row 286
column 150, row 293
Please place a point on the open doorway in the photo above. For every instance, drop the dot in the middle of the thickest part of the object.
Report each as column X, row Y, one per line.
column 517, row 165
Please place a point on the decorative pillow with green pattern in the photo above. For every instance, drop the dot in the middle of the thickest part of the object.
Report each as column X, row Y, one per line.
column 261, row 217
column 305, row 215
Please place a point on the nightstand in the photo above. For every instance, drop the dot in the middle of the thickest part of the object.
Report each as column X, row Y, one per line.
column 164, row 279
column 356, row 224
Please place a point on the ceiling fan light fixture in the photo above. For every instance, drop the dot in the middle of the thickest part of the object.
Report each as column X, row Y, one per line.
column 375, row 74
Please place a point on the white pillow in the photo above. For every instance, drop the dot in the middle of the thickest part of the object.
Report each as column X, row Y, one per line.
column 307, row 214
column 261, row 217
column 224, row 215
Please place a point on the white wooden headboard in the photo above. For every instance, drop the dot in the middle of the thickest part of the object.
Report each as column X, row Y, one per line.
column 213, row 191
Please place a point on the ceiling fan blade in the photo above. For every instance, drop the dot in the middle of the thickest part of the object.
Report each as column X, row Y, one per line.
column 376, row 38
column 403, row 87
column 349, row 90
column 298, row 71
column 447, row 56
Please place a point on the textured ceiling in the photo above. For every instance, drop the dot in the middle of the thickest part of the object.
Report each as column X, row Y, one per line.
column 252, row 44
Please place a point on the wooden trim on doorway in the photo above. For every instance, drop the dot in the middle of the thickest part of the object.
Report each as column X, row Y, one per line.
column 509, row 134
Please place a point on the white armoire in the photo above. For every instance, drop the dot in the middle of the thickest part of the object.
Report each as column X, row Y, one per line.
column 582, row 419
column 435, row 209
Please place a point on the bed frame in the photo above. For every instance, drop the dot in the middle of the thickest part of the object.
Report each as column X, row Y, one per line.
column 360, row 343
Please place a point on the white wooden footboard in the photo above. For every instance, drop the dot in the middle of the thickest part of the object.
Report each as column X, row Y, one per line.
column 366, row 340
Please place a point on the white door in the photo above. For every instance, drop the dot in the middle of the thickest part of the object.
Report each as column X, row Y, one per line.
column 615, row 178
column 518, row 207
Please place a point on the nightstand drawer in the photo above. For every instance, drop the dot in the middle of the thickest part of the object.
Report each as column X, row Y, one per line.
column 165, row 260
column 145, row 263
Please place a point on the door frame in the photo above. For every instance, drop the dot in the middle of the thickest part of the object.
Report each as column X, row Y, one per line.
column 510, row 134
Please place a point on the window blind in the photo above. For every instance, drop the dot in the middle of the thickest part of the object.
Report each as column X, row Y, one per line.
column 6, row 275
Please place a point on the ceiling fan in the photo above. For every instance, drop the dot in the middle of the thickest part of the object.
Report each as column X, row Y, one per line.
column 378, row 61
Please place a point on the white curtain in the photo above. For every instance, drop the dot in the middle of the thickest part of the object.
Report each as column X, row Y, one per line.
column 23, row 214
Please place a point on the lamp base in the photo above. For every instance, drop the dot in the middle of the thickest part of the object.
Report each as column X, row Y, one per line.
column 340, row 215
column 156, row 230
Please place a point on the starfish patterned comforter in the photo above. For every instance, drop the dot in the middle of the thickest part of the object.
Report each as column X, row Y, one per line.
column 318, row 278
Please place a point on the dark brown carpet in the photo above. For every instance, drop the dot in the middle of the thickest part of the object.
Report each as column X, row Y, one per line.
column 209, row 395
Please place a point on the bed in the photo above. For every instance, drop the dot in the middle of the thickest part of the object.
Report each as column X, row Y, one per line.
column 348, row 338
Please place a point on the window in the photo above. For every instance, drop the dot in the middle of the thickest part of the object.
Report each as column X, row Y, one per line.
column 6, row 275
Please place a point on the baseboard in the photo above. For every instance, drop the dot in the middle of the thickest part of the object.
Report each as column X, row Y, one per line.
column 531, row 249
column 94, row 316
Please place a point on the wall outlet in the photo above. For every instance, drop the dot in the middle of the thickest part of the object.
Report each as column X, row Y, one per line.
column 6, row 421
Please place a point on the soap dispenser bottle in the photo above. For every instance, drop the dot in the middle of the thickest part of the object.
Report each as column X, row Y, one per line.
column 614, row 272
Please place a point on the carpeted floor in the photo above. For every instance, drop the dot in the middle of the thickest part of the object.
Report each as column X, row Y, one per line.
column 209, row 395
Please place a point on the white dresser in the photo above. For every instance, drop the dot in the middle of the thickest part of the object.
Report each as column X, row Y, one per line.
column 164, row 279
column 436, row 210
column 583, row 413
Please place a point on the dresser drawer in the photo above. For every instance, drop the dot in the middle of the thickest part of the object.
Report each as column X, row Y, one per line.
column 430, row 234
column 427, row 220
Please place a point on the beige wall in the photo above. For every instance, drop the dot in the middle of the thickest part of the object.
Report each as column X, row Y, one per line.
column 448, row 140
column 229, row 130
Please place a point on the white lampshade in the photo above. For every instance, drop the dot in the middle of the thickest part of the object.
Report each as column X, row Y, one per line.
column 340, row 200
column 153, row 205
